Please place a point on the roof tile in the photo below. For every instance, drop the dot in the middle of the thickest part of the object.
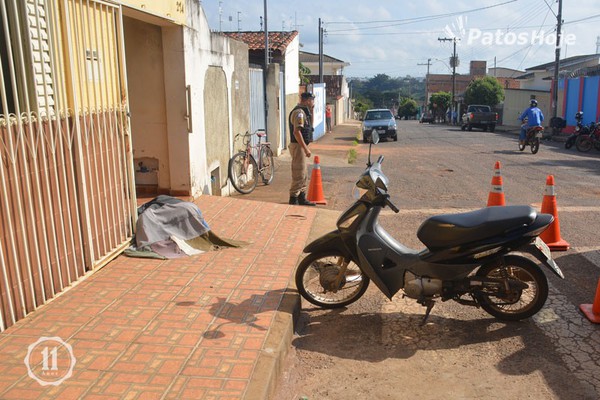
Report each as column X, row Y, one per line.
column 256, row 40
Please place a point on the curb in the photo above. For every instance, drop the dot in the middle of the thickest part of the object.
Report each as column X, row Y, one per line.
column 269, row 366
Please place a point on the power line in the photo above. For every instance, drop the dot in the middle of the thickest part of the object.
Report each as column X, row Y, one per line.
column 539, row 30
column 407, row 21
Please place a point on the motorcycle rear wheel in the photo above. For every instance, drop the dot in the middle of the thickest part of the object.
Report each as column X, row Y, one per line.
column 528, row 293
column 535, row 145
column 583, row 143
column 316, row 280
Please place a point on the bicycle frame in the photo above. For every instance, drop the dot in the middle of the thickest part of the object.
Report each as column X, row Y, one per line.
column 252, row 161
column 254, row 149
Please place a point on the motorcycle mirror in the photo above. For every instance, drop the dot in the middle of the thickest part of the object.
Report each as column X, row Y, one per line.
column 373, row 139
column 374, row 136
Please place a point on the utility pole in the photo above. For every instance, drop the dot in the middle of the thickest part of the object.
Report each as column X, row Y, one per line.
column 556, row 61
column 220, row 15
column 266, row 70
column 320, row 51
column 454, row 63
column 428, row 63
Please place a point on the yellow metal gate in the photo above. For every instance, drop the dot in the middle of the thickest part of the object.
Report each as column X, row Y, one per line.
column 66, row 200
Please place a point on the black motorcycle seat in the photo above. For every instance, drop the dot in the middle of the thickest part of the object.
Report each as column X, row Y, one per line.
column 449, row 230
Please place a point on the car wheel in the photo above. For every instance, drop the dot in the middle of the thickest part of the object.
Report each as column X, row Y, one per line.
column 395, row 137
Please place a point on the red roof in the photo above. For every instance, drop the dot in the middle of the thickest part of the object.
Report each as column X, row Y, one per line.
column 256, row 40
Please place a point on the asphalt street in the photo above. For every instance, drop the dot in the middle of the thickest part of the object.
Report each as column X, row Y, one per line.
column 437, row 169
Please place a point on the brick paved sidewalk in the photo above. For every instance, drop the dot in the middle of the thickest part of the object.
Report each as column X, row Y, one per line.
column 191, row 328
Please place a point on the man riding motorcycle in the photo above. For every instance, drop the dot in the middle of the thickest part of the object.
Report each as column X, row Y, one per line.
column 534, row 116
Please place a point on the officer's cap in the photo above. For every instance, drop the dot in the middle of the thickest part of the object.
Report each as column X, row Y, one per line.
column 307, row 95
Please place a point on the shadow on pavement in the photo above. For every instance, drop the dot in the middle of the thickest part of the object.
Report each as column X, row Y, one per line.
column 246, row 312
column 366, row 337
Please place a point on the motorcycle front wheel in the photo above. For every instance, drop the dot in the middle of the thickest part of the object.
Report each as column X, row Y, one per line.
column 320, row 280
column 570, row 142
column 527, row 288
column 535, row 145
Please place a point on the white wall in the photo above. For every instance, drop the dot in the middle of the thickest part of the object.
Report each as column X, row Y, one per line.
column 203, row 49
column 292, row 70
column 517, row 100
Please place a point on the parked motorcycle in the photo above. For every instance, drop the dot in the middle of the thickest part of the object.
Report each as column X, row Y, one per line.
column 580, row 129
column 469, row 257
column 532, row 138
column 585, row 142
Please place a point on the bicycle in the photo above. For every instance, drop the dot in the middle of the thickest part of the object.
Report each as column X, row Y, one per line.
column 243, row 168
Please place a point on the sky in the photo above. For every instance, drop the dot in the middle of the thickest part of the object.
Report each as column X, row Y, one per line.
column 395, row 37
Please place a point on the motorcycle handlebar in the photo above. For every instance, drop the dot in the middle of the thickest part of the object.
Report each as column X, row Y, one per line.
column 391, row 205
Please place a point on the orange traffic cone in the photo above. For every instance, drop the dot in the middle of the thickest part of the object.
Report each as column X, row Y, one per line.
column 551, row 236
column 592, row 311
column 496, row 196
column 315, row 189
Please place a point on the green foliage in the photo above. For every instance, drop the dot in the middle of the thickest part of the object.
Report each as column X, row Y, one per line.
column 361, row 106
column 440, row 101
column 304, row 71
column 408, row 108
column 486, row 90
column 384, row 91
column 352, row 155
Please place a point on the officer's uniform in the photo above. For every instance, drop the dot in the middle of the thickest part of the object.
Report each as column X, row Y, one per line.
column 299, row 117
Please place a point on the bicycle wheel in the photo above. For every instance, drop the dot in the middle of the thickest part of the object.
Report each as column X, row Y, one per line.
column 243, row 172
column 267, row 166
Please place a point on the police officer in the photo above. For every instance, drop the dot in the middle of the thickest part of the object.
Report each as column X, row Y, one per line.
column 301, row 130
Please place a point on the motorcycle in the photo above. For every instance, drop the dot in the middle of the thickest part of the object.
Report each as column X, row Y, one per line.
column 532, row 138
column 580, row 129
column 585, row 142
column 468, row 257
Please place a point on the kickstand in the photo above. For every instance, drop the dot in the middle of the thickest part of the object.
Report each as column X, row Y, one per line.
column 429, row 304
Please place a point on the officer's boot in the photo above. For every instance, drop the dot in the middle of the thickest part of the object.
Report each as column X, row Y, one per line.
column 303, row 201
column 293, row 200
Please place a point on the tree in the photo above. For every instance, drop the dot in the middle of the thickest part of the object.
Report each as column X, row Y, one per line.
column 408, row 108
column 384, row 91
column 486, row 90
column 304, row 71
column 439, row 103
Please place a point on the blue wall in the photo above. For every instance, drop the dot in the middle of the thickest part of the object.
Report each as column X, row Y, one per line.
column 572, row 105
column 589, row 100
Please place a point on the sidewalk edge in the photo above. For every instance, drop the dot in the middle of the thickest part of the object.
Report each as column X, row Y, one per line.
column 268, row 369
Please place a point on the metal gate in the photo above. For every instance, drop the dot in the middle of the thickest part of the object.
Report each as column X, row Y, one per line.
column 66, row 193
column 283, row 118
column 257, row 101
